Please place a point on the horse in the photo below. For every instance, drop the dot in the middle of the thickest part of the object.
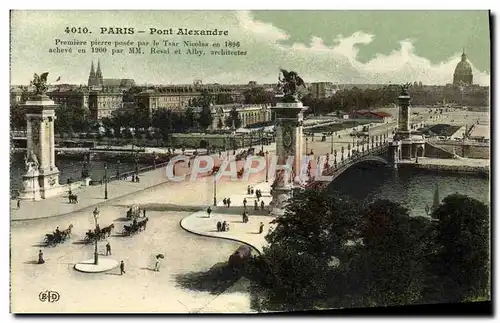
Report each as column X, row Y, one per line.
column 73, row 198
column 107, row 230
column 67, row 232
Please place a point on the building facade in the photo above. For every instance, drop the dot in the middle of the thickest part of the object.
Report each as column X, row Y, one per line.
column 179, row 97
column 248, row 113
column 102, row 104
column 321, row 90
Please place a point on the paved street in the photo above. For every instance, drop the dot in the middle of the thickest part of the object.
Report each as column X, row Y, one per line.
column 200, row 223
column 90, row 196
column 140, row 289
column 187, row 281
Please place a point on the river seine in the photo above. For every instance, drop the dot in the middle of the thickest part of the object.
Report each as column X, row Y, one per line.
column 67, row 169
column 412, row 188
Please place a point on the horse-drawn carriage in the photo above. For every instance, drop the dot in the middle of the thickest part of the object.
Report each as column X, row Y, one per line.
column 134, row 212
column 52, row 239
column 99, row 234
column 135, row 227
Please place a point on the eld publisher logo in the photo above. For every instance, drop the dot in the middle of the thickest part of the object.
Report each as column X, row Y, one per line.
column 48, row 296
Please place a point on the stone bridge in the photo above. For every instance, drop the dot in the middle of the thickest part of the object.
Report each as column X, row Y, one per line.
column 377, row 150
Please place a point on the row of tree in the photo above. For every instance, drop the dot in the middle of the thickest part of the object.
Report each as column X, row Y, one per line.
column 329, row 252
column 349, row 100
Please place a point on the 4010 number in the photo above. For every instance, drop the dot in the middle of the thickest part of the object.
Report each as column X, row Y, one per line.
column 77, row 30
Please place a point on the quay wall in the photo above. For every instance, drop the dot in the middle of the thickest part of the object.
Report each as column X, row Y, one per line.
column 457, row 169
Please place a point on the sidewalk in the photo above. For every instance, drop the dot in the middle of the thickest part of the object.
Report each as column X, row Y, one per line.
column 248, row 233
column 89, row 197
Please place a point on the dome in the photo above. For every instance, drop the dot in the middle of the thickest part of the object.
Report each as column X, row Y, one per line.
column 463, row 72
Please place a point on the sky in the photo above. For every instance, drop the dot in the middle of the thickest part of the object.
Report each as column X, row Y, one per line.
column 364, row 47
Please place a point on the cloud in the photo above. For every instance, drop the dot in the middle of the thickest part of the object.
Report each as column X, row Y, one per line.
column 266, row 47
column 339, row 63
column 263, row 30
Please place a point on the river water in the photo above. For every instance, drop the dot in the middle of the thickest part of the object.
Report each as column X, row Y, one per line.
column 412, row 188
column 67, row 169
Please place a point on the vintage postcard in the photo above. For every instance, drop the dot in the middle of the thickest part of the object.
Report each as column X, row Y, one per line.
column 248, row 161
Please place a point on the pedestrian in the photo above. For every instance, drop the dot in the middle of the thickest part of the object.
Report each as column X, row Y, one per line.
column 18, row 204
column 262, row 205
column 224, row 201
column 219, row 226
column 257, row 195
column 261, row 228
column 228, row 202
column 144, row 213
column 108, row 249
column 40, row 257
column 251, row 191
column 133, row 178
column 122, row 268
column 248, row 190
column 255, row 205
column 137, row 178
column 209, row 210
column 189, row 163
column 245, row 203
column 157, row 264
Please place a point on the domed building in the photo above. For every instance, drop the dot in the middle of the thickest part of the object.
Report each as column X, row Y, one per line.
column 463, row 72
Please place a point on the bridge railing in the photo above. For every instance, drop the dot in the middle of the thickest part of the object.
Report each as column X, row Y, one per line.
column 372, row 147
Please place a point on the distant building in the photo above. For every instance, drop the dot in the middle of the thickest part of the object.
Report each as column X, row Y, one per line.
column 70, row 96
column 248, row 113
column 379, row 116
column 463, row 72
column 321, row 90
column 16, row 95
column 96, row 81
column 178, row 97
column 102, row 104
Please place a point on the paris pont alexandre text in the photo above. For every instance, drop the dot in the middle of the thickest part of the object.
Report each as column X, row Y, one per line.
column 151, row 31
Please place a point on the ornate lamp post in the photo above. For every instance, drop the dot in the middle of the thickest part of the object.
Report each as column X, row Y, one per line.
column 331, row 143
column 357, row 146
column 215, row 189
column 261, row 136
column 307, row 140
column 348, row 150
column 267, row 165
column 342, row 154
column 118, row 168
column 96, row 255
column 335, row 158
column 105, row 181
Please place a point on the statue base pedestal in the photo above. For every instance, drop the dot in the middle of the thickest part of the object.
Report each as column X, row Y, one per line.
column 49, row 183
column 31, row 188
column 280, row 195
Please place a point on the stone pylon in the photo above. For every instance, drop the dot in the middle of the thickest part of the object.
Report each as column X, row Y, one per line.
column 289, row 143
column 42, row 177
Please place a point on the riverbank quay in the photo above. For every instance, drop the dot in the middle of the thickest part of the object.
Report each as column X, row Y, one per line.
column 92, row 196
column 201, row 224
column 479, row 167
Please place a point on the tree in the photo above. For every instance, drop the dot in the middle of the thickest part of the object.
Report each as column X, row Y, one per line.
column 234, row 116
column 343, row 254
column 258, row 95
column 71, row 119
column 205, row 119
column 223, row 98
column 17, row 117
column 189, row 117
column 460, row 263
